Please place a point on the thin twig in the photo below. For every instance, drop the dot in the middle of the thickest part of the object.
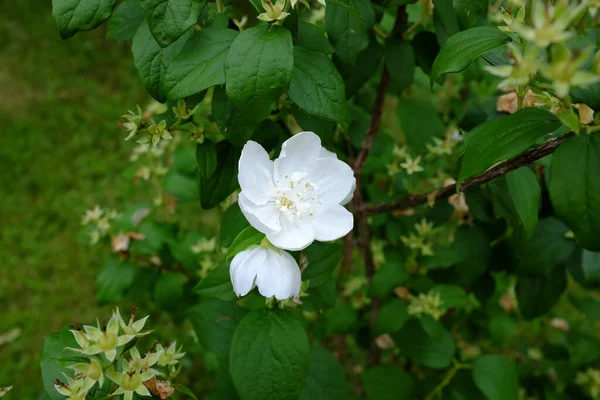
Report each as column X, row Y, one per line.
column 499, row 170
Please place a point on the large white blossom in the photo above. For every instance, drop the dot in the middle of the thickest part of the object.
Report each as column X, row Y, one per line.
column 299, row 197
column 273, row 271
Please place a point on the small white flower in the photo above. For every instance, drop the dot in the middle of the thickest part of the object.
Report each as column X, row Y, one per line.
column 299, row 197
column 274, row 271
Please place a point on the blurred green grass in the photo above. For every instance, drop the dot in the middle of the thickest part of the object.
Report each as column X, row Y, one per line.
column 59, row 155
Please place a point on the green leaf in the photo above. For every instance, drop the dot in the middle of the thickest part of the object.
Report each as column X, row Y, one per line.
column 426, row 49
column 232, row 223
column 322, row 260
column 125, row 20
column 236, row 126
column 590, row 264
column 420, row 122
column 496, row 376
column 391, row 317
column 152, row 61
column 217, row 175
column 471, row 13
column 184, row 160
column 316, row 87
column 452, row 296
column 248, row 237
column 415, row 343
column 387, row 277
column 186, row 391
column 169, row 289
column 326, row 378
column 114, row 279
column 214, row 322
column 217, row 284
column 505, row 138
column 575, row 187
column 258, row 69
column 445, row 16
column 464, row 47
column 370, row 58
column 547, row 248
column 340, row 319
column 589, row 94
column 168, row 20
column 269, row 356
column 181, row 186
column 388, row 382
column 589, row 306
column 348, row 24
column 54, row 357
column 73, row 16
column 538, row 294
column 200, row 65
column 312, row 37
column 400, row 62
column 526, row 196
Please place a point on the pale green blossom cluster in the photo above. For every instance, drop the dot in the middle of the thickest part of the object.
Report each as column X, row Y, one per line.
column 99, row 220
column 114, row 359
column 544, row 29
column 427, row 304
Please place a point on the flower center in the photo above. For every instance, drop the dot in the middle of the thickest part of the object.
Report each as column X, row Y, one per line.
column 131, row 382
column 107, row 341
column 296, row 199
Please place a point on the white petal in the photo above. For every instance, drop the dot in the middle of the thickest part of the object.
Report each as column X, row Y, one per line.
column 265, row 218
column 332, row 222
column 334, row 179
column 296, row 236
column 279, row 276
column 350, row 194
column 244, row 267
column 255, row 173
column 296, row 153
column 327, row 154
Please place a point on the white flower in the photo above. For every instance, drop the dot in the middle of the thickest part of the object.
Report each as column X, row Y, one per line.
column 274, row 271
column 297, row 198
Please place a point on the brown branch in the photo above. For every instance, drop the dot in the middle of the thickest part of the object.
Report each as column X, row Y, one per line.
column 499, row 170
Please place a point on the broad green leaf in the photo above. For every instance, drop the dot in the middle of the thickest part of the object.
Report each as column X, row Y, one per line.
column 182, row 187
column 217, row 284
column 72, row 16
column 125, row 20
column 416, row 344
column 538, row 294
column 236, row 126
column 312, row 37
column 217, row 175
column 258, row 69
column 391, row 318
column 505, row 138
column 152, row 61
column 168, row 20
column 526, row 196
column 464, row 47
column 473, row 243
column 426, row 48
column 370, row 58
column 471, row 13
column 590, row 263
column 420, row 122
column 452, row 296
column 588, row 305
column 322, row 260
column 316, row 87
column 269, row 356
column 400, row 62
column 445, row 17
column 340, row 319
column 387, row 277
column 575, row 187
column 496, row 376
column 169, row 290
column 200, row 64
column 326, row 378
column 348, row 24
column 547, row 248
column 246, row 238
column 186, row 391
column 388, row 382
column 114, row 279
column 155, row 237
column 53, row 360
column 232, row 223
column 589, row 95
column 214, row 322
